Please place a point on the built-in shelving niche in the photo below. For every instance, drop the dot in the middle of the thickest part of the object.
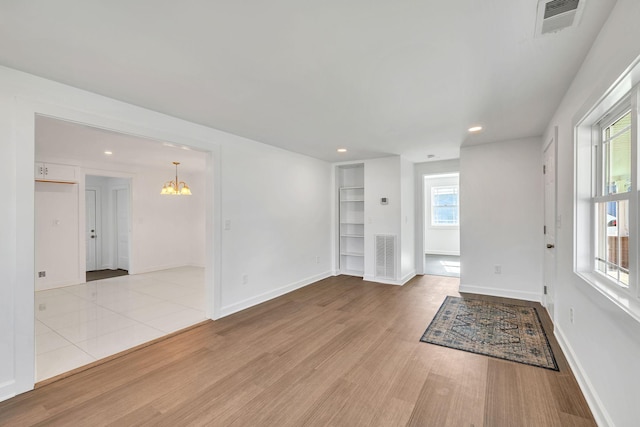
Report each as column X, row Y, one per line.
column 351, row 216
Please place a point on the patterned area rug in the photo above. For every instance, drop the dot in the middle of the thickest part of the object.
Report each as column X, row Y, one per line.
column 509, row 332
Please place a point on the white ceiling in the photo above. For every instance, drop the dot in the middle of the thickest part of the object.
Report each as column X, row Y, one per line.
column 58, row 140
column 379, row 78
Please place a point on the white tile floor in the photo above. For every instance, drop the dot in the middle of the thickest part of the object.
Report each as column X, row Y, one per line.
column 79, row 324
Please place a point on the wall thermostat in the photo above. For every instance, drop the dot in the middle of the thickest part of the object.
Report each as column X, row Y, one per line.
column 384, row 201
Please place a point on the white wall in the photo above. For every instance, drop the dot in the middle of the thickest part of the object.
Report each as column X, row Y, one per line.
column 57, row 236
column 381, row 179
column 278, row 206
column 272, row 197
column 8, row 246
column 390, row 177
column 602, row 343
column 407, row 221
column 164, row 227
column 442, row 240
column 501, row 219
column 419, row 171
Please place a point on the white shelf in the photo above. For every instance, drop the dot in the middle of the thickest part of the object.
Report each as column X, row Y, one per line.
column 352, row 254
column 351, row 188
column 353, row 222
column 353, row 235
column 352, row 200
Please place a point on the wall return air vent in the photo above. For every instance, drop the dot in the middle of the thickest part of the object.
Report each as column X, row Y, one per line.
column 385, row 256
column 556, row 15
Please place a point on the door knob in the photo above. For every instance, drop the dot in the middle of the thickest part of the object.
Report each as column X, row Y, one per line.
column 550, row 246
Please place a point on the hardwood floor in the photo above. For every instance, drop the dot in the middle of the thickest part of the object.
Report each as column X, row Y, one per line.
column 341, row 352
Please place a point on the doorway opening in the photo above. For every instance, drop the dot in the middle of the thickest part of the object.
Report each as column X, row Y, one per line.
column 441, row 240
column 107, row 230
column 116, row 220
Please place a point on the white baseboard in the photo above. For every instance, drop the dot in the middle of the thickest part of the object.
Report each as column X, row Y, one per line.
column 595, row 404
column 258, row 299
column 159, row 268
column 370, row 278
column 451, row 253
column 407, row 277
column 7, row 390
column 505, row 293
column 58, row 284
column 402, row 281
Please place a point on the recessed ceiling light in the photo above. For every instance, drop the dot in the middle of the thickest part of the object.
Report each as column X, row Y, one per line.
column 108, row 153
column 342, row 150
column 475, row 129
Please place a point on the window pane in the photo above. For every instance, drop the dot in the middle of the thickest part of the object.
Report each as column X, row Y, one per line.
column 612, row 246
column 444, row 205
column 445, row 215
column 617, row 156
column 445, row 200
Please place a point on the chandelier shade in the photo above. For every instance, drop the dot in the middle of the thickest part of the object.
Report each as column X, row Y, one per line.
column 177, row 187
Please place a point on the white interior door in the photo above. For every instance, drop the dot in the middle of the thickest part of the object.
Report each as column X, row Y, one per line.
column 122, row 228
column 550, row 223
column 90, row 229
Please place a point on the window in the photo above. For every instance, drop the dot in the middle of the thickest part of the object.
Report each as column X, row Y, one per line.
column 607, row 210
column 613, row 192
column 444, row 206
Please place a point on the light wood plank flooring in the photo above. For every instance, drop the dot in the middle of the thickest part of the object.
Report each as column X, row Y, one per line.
column 341, row 352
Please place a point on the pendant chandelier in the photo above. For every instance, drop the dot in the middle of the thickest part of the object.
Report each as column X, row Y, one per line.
column 176, row 188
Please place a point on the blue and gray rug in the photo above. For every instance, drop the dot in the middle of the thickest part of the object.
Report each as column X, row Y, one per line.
column 505, row 331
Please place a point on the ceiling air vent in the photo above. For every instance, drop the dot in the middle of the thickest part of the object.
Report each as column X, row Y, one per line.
column 555, row 15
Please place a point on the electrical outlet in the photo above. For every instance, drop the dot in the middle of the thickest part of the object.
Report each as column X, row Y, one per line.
column 245, row 279
column 571, row 315
column 497, row 269
column 227, row 224
column 42, row 274
column 42, row 306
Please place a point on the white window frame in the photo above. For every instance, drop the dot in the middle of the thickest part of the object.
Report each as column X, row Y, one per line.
column 599, row 196
column 434, row 190
column 623, row 95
